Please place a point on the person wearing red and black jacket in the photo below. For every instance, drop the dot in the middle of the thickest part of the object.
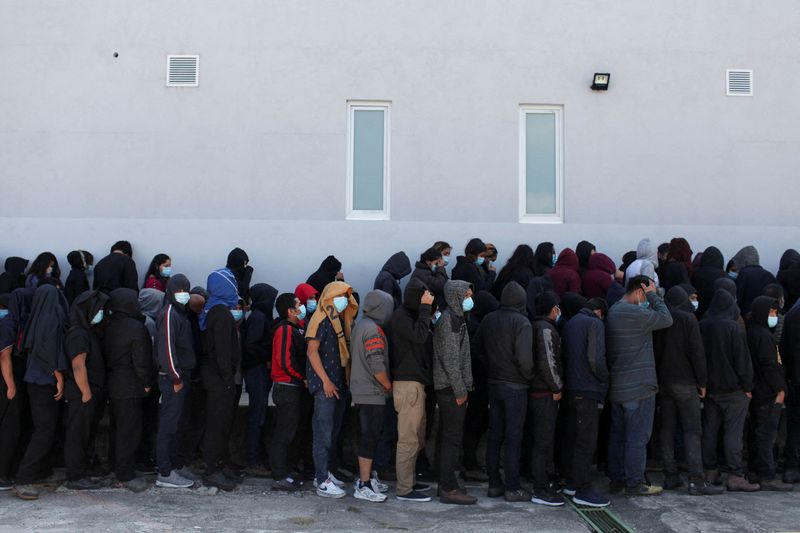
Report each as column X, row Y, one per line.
column 288, row 375
column 175, row 355
column 769, row 390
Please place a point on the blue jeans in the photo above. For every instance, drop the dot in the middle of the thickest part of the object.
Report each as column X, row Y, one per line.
column 631, row 426
column 507, row 408
column 258, row 384
column 326, row 425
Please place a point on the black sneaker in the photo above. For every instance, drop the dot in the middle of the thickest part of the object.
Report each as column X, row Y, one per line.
column 616, row 486
column 414, row 496
column 791, row 475
column 145, row 469
column 219, row 480
column 288, row 484
column 673, row 481
column 590, row 499
column 547, row 497
column 234, row 474
column 84, row 484
column 496, row 492
column 519, row 495
column 643, row 489
column 421, row 487
column 5, row 484
column 703, row 488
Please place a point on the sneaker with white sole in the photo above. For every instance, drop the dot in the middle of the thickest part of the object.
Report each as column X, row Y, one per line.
column 173, row 481
column 377, row 484
column 328, row 489
column 336, row 481
column 414, row 496
column 366, row 492
column 569, row 491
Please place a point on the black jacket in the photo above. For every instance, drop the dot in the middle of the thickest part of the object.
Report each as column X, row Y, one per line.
column 84, row 337
column 325, row 274
column 789, row 276
column 257, row 329
column 522, row 274
column 711, row 268
column 583, row 341
column 790, row 345
column 14, row 276
column 174, row 343
column 221, row 348
column 433, row 280
column 388, row 280
column 114, row 271
column 750, row 285
column 467, row 270
column 547, row 356
column 672, row 273
column 725, row 344
column 409, row 335
column 76, row 284
column 127, row 347
column 678, row 349
column 768, row 374
column 506, row 337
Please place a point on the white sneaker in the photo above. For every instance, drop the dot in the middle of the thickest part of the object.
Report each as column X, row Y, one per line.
column 366, row 493
column 328, row 489
column 377, row 485
column 336, row 482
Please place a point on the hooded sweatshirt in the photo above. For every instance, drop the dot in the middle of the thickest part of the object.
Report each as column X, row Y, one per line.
column 326, row 273
column 506, row 337
column 535, row 288
column 565, row 275
column 151, row 301
column 434, row 280
column 220, row 336
column 127, row 347
column 768, row 377
column 14, row 276
column 84, row 337
column 712, row 267
column 549, row 374
column 452, row 364
column 790, row 345
column 396, row 268
column 789, row 276
column 725, row 344
column 43, row 335
column 237, row 264
column 646, row 261
column 174, row 343
column 76, row 280
column 752, row 278
column 680, row 359
column 409, row 334
column 114, row 271
column 257, row 329
column 598, row 277
column 629, row 344
column 583, row 342
column 476, row 275
column 369, row 354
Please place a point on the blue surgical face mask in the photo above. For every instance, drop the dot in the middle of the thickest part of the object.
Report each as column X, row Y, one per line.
column 733, row 275
column 480, row 260
column 645, row 304
column 311, row 305
column 302, row 314
column 436, row 316
column 166, row 272
column 3, row 313
column 237, row 314
column 446, row 260
column 90, row 269
column 553, row 260
column 98, row 317
column 772, row 321
column 340, row 303
column 433, row 268
column 695, row 304
column 182, row 297
column 48, row 272
column 558, row 318
column 468, row 304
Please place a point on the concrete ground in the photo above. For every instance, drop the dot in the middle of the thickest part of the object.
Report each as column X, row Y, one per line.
column 252, row 507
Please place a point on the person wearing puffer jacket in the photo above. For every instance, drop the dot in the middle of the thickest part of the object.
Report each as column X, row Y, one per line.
column 564, row 275
column 599, row 276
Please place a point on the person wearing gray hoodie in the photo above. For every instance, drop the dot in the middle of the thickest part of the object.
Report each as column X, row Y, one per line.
column 646, row 262
column 751, row 278
column 370, row 384
column 452, row 381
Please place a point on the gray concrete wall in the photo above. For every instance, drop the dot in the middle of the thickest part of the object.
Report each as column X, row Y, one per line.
column 95, row 148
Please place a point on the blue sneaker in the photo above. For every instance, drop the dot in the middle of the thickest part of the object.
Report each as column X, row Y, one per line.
column 590, row 499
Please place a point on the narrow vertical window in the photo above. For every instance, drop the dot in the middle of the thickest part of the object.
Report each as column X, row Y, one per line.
column 541, row 164
column 368, row 161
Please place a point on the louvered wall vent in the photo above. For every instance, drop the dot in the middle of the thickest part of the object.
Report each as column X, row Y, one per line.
column 739, row 82
column 183, row 70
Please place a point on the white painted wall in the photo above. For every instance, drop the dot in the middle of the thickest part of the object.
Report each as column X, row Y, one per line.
column 95, row 148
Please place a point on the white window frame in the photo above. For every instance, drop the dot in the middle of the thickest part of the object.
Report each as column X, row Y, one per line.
column 368, row 105
column 558, row 216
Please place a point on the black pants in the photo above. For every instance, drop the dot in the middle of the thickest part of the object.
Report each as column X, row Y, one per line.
column 167, row 440
column 128, row 431
column 192, row 424
column 80, row 420
column 451, row 428
column 9, row 430
column 543, row 412
column 727, row 412
column 146, row 452
column 288, row 411
column 44, row 413
column 792, row 449
column 765, row 421
column 583, row 420
column 476, row 424
column 370, row 424
column 219, row 413
column 681, row 403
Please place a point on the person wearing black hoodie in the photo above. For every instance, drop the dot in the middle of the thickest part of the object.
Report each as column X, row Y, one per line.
column 256, row 365
column 128, row 352
column 238, row 264
column 768, row 392
column 388, row 280
column 14, row 275
column 329, row 270
column 470, row 267
column 117, row 269
column 430, row 271
column 42, row 344
column 711, row 268
column 682, row 377
column 789, row 276
column 505, row 338
column 84, row 388
column 790, row 355
column 176, row 357
column 752, row 278
column 77, row 282
column 730, row 382
column 520, row 267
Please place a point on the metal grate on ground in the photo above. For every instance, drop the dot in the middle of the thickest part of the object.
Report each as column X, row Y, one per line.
column 601, row 520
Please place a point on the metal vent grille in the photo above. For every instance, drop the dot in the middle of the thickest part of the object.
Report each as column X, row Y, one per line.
column 183, row 70
column 739, row 82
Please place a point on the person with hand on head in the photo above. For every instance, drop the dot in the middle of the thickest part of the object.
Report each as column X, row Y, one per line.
column 158, row 273
column 238, row 265
column 82, row 264
column 396, row 268
column 117, row 269
column 42, row 343
column 430, row 271
column 329, row 270
column 470, row 267
column 328, row 338
column 84, row 388
column 452, row 380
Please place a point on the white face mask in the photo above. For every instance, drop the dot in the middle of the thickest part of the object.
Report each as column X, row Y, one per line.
column 182, row 297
